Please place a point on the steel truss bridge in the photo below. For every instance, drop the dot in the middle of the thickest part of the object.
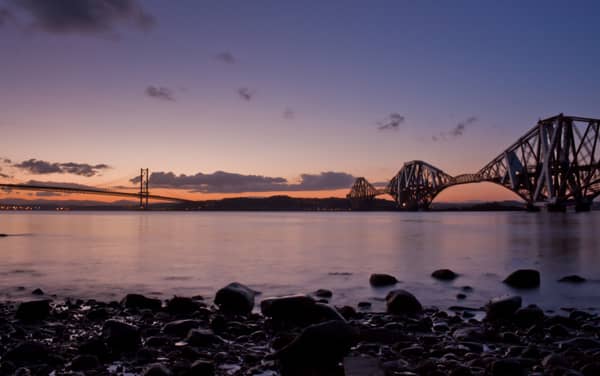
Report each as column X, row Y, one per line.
column 555, row 164
column 143, row 194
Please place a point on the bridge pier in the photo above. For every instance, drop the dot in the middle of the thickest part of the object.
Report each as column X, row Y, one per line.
column 583, row 206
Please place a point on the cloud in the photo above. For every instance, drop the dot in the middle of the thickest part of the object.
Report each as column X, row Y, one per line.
column 393, row 121
column 162, row 93
column 245, row 93
column 5, row 176
column 85, row 16
column 289, row 114
column 58, row 184
column 47, row 194
column 226, row 182
column 457, row 131
column 226, row 57
column 39, row 167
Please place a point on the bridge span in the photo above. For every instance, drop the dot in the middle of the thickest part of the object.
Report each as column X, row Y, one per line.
column 555, row 164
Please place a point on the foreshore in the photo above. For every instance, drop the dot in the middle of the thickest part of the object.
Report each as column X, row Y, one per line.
column 293, row 335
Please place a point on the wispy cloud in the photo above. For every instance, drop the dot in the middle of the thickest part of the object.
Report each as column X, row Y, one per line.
column 84, row 16
column 457, row 131
column 40, row 167
column 246, row 93
column 226, row 57
column 392, row 121
column 162, row 93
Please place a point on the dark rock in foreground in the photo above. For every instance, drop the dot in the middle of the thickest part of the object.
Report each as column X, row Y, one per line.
column 138, row 301
column 380, row 280
column 235, row 298
column 572, row 279
column 33, row 310
column 524, row 279
column 298, row 310
column 503, row 308
column 182, row 305
column 323, row 293
column 402, row 302
column 121, row 336
column 444, row 275
column 29, row 352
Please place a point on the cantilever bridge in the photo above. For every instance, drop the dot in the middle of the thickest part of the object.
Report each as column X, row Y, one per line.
column 143, row 195
column 555, row 164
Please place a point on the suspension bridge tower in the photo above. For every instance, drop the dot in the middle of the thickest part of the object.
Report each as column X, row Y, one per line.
column 144, row 192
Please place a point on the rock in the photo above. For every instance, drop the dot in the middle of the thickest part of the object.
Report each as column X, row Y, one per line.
column 323, row 293
column 572, row 279
column 181, row 305
column 37, row 292
column 503, row 308
column 587, row 343
column 33, row 310
column 202, row 368
column 94, row 346
column 507, row 367
column 529, row 315
column 299, row 310
column 84, row 362
column 138, row 301
column 554, row 360
column 318, row 345
column 120, row 336
column 592, row 369
column 461, row 371
column 180, row 328
column 157, row 341
column 235, row 298
column 461, row 296
column 444, row 275
column 364, row 305
column 362, row 366
column 31, row 352
column 523, row 278
column 97, row 313
column 402, row 302
column 202, row 338
column 156, row 370
column 380, row 280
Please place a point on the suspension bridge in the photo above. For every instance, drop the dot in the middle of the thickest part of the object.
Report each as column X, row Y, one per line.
column 143, row 194
column 555, row 164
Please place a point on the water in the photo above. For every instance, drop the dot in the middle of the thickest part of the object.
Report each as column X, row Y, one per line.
column 107, row 254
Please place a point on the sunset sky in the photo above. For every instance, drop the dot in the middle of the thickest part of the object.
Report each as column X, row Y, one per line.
column 228, row 98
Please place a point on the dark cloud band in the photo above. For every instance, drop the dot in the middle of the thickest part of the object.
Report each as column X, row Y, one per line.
column 39, row 167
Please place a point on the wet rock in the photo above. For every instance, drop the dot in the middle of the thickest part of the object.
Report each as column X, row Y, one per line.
column 572, row 279
column 444, row 275
column 120, row 336
column 554, row 360
column 323, row 293
column 529, row 315
column 33, row 310
column 587, row 343
column 503, row 308
column 508, row 367
column 361, row 366
column 157, row 341
column 202, row 368
column 235, row 298
column 461, row 296
column 97, row 313
column 364, row 305
column 202, row 337
column 37, row 291
column 94, row 346
column 523, row 278
column 347, row 312
column 402, row 302
column 380, row 280
column 29, row 352
column 461, row 371
column 179, row 305
column 180, row 328
column 299, row 310
column 84, row 362
column 138, row 301
column 558, row 330
column 592, row 369
column 318, row 345
column 157, row 370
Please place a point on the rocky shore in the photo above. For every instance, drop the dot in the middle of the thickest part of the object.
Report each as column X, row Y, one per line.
column 295, row 335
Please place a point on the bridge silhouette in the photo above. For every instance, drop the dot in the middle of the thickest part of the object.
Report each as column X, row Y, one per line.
column 555, row 164
column 143, row 194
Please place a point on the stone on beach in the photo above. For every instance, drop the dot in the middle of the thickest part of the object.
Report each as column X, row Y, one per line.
column 182, row 305
column 298, row 310
column 121, row 336
column 503, row 307
column 402, row 302
column 235, row 298
column 33, row 310
column 572, row 279
column 380, row 280
column 444, row 275
column 524, row 279
column 180, row 328
column 138, row 301
column 323, row 293
column 28, row 351
column 157, row 370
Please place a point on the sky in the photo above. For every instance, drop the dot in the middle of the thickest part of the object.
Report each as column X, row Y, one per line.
column 229, row 98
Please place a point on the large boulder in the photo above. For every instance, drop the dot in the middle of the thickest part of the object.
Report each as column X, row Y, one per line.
column 320, row 345
column 381, row 280
column 503, row 307
column 402, row 302
column 527, row 316
column 235, row 298
column 138, row 301
column 299, row 310
column 444, row 275
column 523, row 279
column 180, row 305
column 120, row 336
column 33, row 310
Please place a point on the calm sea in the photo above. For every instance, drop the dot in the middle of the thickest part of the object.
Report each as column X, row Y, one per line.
column 107, row 254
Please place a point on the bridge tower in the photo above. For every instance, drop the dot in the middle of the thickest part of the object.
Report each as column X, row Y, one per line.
column 362, row 195
column 144, row 192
